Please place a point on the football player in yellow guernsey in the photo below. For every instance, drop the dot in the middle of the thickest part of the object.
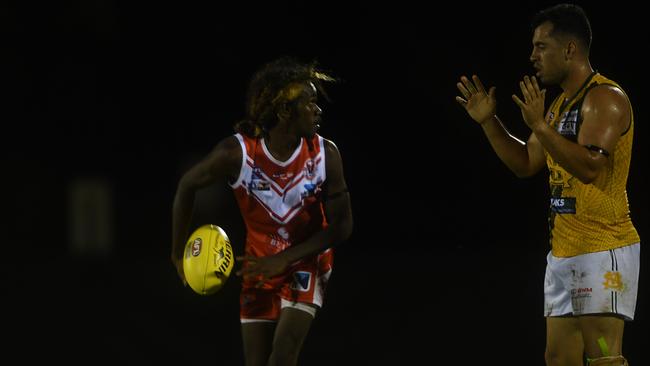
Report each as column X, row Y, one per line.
column 585, row 140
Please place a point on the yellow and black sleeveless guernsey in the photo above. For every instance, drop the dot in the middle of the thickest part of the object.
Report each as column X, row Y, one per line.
column 587, row 218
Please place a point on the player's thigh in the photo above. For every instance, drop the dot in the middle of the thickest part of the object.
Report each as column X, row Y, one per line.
column 563, row 341
column 603, row 334
column 257, row 338
column 292, row 328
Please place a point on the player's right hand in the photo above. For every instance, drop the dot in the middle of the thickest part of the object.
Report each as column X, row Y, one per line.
column 481, row 106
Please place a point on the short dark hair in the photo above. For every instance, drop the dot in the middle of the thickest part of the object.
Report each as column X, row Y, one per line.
column 567, row 19
column 267, row 89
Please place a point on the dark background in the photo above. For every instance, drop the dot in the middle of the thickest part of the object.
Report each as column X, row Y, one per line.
column 448, row 252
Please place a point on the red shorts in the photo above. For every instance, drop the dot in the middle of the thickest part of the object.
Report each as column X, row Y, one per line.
column 305, row 282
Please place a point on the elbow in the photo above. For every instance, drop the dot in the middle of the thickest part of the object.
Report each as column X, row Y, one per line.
column 347, row 230
column 522, row 173
column 185, row 189
column 523, row 169
column 588, row 177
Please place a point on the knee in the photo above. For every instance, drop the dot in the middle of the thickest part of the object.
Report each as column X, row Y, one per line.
column 555, row 357
column 551, row 357
column 256, row 360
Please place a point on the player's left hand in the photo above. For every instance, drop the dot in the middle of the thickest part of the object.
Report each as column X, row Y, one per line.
column 532, row 107
column 262, row 268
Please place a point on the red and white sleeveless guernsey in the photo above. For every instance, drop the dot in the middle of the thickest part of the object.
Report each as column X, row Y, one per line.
column 280, row 202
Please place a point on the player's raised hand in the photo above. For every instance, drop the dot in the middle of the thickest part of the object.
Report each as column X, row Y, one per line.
column 532, row 107
column 481, row 106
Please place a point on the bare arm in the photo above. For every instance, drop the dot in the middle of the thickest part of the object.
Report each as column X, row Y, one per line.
column 338, row 212
column 222, row 163
column 605, row 113
column 523, row 159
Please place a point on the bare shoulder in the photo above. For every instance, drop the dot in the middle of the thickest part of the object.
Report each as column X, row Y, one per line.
column 226, row 155
column 334, row 167
column 331, row 150
column 229, row 144
column 607, row 105
column 329, row 145
column 604, row 96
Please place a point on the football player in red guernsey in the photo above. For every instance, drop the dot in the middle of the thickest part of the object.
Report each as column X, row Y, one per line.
column 291, row 191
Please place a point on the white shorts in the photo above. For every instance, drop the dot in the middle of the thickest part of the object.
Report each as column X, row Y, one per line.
column 593, row 283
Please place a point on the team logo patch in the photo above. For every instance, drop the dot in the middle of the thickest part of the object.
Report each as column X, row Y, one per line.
column 301, row 281
column 309, row 169
column 569, row 124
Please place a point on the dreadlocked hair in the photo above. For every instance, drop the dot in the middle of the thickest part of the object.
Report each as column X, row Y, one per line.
column 268, row 89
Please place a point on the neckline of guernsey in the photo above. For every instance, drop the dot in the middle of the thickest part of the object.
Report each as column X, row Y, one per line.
column 568, row 101
column 280, row 162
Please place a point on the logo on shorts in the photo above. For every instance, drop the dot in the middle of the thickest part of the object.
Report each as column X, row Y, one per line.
column 581, row 292
column 301, row 281
column 247, row 299
column 613, row 281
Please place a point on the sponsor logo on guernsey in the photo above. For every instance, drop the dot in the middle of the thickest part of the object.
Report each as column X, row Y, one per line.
column 283, row 233
column 301, row 281
column 563, row 205
column 258, row 183
column 283, row 175
column 279, row 243
column 568, row 124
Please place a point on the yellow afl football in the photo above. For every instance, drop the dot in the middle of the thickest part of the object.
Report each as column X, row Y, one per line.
column 208, row 259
